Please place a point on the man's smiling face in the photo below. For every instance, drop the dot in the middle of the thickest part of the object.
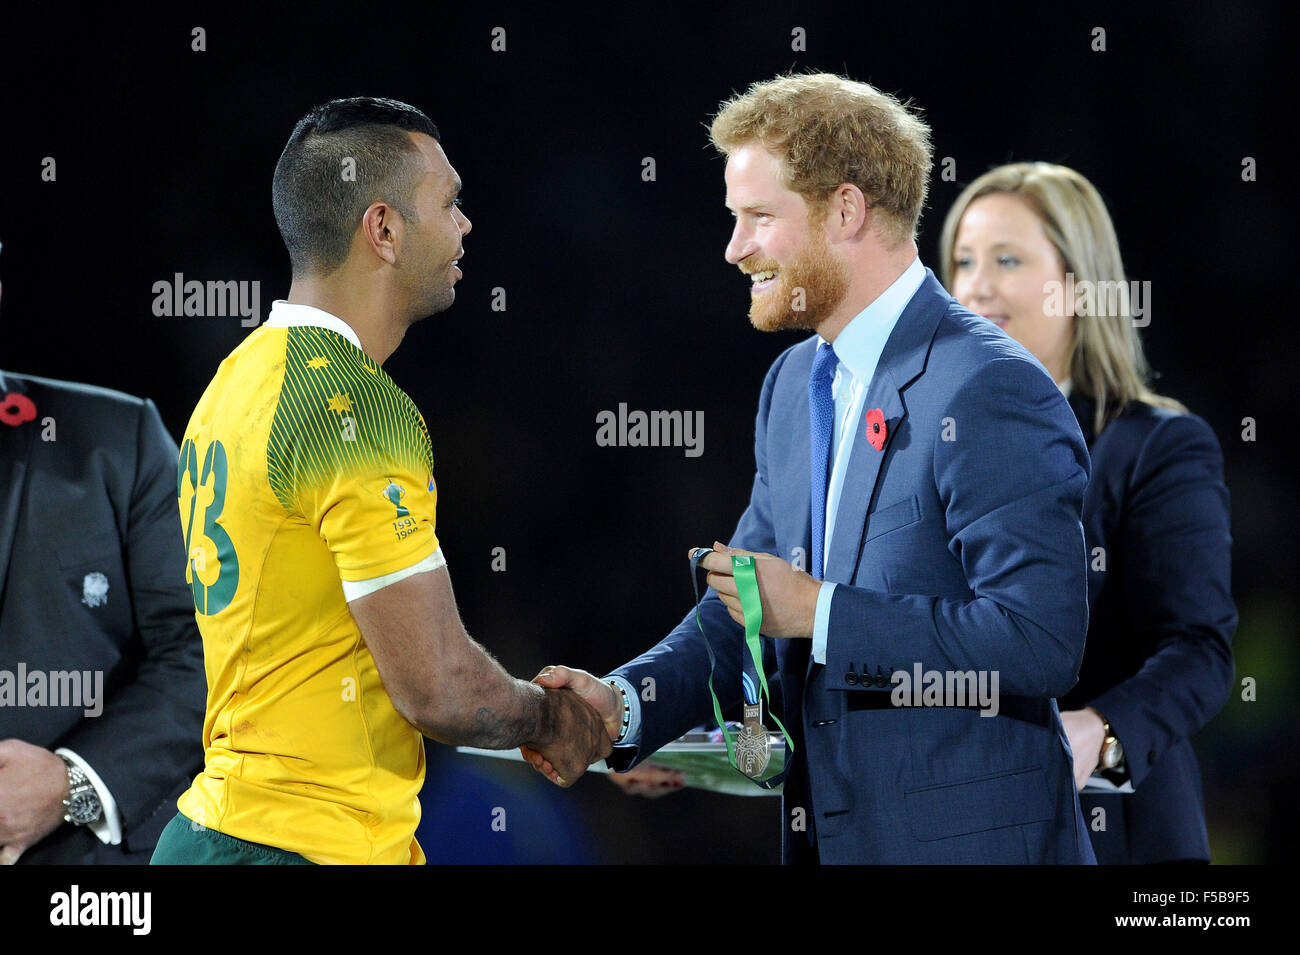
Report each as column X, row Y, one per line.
column 781, row 244
column 436, row 236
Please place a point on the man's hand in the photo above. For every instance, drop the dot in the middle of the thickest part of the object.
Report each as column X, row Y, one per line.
column 598, row 694
column 650, row 780
column 33, row 785
column 573, row 737
column 1085, row 731
column 606, row 700
column 789, row 596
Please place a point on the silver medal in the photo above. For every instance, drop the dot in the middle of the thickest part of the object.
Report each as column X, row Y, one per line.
column 753, row 748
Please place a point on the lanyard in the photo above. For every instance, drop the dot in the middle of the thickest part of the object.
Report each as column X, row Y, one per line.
column 751, row 750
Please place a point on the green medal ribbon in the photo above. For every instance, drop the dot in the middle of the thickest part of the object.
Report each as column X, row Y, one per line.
column 753, row 680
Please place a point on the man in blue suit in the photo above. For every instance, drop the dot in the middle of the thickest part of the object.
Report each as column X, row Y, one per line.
column 928, row 471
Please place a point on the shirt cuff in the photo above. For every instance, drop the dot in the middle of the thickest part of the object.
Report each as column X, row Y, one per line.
column 633, row 735
column 108, row 827
column 822, row 622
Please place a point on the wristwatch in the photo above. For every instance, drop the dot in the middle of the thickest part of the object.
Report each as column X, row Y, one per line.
column 1112, row 750
column 83, row 805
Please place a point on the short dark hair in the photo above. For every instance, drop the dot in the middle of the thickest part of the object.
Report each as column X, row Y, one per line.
column 317, row 207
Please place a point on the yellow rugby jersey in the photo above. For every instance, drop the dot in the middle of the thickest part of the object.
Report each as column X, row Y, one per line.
column 304, row 466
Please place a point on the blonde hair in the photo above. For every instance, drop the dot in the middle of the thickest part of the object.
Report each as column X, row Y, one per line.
column 1106, row 360
column 831, row 130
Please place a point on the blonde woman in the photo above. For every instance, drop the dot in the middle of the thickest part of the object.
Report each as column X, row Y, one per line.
column 1031, row 247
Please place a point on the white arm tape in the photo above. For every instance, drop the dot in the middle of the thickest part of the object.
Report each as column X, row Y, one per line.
column 352, row 589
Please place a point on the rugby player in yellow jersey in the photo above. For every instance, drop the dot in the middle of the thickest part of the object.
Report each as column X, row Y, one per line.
column 331, row 637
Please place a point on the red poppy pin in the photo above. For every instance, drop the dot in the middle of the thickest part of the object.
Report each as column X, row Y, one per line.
column 16, row 408
column 876, row 430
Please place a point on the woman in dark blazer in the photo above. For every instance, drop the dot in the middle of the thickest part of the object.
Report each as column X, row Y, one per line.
column 1031, row 247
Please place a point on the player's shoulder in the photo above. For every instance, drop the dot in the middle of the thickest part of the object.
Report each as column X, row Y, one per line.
column 326, row 376
column 338, row 412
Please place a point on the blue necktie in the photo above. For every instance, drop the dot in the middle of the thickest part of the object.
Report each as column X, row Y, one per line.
column 821, row 425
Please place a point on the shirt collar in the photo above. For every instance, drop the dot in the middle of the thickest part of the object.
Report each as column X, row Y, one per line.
column 285, row 315
column 1066, row 386
column 861, row 342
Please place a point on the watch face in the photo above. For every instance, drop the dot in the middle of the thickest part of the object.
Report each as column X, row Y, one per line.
column 1111, row 754
column 84, row 808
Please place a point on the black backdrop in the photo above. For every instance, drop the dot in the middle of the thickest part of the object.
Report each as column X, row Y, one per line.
column 616, row 291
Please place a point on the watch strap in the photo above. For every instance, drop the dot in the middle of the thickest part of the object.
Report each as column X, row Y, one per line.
column 79, row 784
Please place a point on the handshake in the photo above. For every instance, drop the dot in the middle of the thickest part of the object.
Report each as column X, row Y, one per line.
column 586, row 715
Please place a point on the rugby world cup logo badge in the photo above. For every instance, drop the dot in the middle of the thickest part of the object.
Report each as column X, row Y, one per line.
column 394, row 494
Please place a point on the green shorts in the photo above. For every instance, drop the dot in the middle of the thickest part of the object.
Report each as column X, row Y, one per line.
column 187, row 843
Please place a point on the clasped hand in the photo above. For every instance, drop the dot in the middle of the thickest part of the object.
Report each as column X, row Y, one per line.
column 789, row 599
column 594, row 693
column 573, row 737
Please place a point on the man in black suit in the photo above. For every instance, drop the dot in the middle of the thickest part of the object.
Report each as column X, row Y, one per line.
column 101, row 667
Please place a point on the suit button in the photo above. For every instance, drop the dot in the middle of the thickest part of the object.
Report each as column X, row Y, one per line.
column 851, row 678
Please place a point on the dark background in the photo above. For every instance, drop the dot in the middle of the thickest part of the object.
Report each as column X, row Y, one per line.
column 616, row 291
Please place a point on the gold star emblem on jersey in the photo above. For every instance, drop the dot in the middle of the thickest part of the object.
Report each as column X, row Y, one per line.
column 317, row 362
column 339, row 403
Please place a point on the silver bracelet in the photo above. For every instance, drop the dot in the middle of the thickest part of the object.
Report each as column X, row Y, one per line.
column 627, row 711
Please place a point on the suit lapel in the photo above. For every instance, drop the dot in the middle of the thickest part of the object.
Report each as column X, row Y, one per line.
column 15, row 453
column 901, row 361
column 863, row 473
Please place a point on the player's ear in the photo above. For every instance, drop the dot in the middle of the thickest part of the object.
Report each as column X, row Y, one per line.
column 381, row 230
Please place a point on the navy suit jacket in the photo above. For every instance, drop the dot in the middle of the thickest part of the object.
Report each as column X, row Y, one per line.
column 1159, row 663
column 959, row 547
column 101, row 499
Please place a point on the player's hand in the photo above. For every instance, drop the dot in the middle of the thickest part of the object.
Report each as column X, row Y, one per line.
column 606, row 700
column 649, row 780
column 573, row 738
column 789, row 596
column 33, row 785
